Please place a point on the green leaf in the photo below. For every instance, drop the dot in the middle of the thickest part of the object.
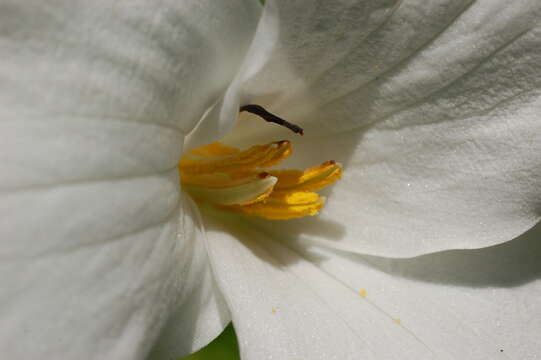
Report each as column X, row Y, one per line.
column 224, row 347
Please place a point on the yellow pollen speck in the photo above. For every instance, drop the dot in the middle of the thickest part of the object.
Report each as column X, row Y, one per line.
column 397, row 320
column 239, row 180
column 273, row 310
column 362, row 292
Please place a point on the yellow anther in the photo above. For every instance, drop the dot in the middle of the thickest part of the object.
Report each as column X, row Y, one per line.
column 232, row 180
column 219, row 158
column 283, row 206
column 363, row 292
column 311, row 179
column 214, row 149
column 237, row 194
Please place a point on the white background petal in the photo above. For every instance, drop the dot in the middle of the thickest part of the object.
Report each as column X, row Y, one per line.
column 431, row 106
column 279, row 315
column 469, row 304
column 95, row 99
column 203, row 313
column 463, row 304
column 219, row 120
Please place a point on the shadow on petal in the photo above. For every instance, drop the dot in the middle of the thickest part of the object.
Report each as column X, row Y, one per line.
column 510, row 264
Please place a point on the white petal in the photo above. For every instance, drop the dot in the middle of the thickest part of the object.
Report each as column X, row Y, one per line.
column 202, row 316
column 95, row 100
column 478, row 304
column 432, row 107
column 73, row 288
column 220, row 119
column 463, row 304
column 277, row 315
column 196, row 323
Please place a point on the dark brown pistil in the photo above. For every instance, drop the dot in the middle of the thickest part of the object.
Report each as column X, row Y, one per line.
column 267, row 116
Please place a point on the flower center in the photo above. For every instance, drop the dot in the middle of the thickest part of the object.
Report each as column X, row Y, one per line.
column 239, row 180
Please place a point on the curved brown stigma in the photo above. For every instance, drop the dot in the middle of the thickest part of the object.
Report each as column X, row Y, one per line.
column 267, row 116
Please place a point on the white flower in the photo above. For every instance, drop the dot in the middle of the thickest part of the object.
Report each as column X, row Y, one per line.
column 433, row 108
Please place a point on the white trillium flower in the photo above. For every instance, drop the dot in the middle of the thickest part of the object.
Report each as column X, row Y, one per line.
column 432, row 107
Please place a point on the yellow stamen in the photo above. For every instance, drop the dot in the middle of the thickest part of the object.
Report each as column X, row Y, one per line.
column 311, row 179
column 259, row 156
column 282, row 206
column 235, row 194
column 214, row 149
column 232, row 180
